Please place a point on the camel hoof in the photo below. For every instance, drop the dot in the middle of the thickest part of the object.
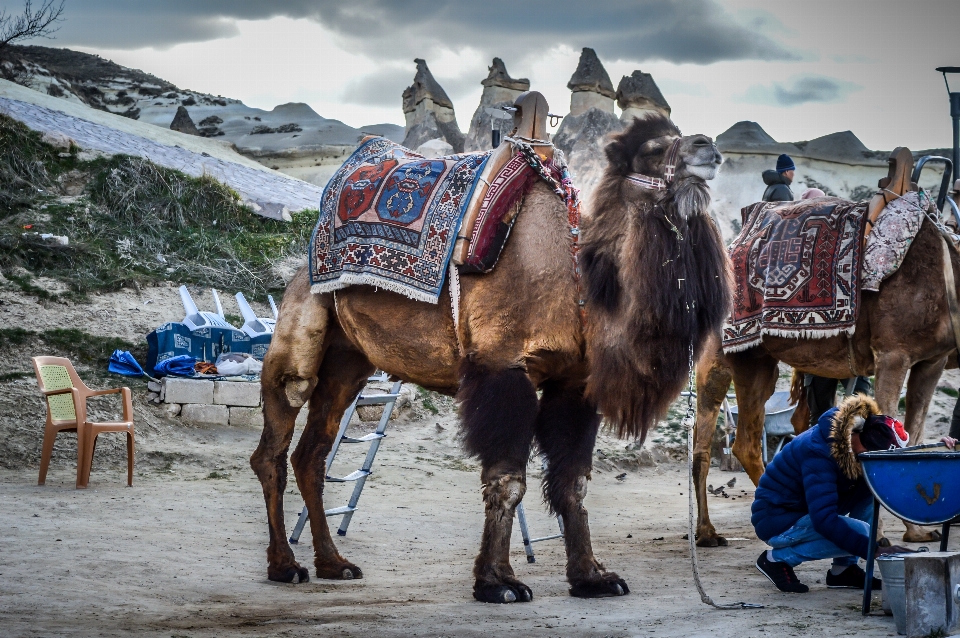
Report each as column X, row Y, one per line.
column 502, row 594
column 610, row 585
column 925, row 537
column 884, row 542
column 339, row 572
column 292, row 574
column 712, row 541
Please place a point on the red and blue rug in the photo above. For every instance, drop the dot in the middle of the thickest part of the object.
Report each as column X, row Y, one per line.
column 389, row 219
column 796, row 268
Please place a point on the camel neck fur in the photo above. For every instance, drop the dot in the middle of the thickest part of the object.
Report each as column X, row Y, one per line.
column 657, row 281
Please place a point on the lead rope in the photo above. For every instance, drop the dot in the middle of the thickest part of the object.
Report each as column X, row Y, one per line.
column 689, row 422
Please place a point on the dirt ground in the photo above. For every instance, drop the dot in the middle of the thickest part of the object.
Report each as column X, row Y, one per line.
column 182, row 552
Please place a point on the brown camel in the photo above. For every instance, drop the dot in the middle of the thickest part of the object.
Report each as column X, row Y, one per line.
column 904, row 327
column 519, row 331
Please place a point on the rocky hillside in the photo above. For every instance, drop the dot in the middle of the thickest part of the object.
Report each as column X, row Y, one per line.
column 292, row 138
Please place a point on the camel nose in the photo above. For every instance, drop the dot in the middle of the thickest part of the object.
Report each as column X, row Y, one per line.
column 701, row 141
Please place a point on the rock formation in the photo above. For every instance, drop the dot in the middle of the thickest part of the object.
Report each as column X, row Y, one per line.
column 591, row 85
column 182, row 122
column 638, row 95
column 582, row 134
column 429, row 112
column 499, row 89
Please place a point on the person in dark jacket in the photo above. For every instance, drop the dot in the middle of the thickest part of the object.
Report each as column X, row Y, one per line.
column 778, row 181
column 812, row 501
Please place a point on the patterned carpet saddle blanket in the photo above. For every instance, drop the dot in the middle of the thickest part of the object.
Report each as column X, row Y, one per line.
column 891, row 236
column 797, row 271
column 393, row 219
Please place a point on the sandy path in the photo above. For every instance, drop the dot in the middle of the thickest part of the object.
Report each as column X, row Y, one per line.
column 182, row 555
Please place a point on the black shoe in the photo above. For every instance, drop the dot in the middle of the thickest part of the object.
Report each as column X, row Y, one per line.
column 852, row 577
column 781, row 575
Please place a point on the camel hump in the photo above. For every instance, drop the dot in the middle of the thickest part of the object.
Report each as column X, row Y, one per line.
column 530, row 118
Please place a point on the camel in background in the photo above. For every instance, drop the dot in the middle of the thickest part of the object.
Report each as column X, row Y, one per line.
column 519, row 332
column 904, row 327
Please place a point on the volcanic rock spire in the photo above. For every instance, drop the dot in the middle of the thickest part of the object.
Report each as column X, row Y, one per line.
column 638, row 95
column 591, row 85
column 429, row 112
column 499, row 89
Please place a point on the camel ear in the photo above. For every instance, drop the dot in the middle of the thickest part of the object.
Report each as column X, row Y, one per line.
column 619, row 157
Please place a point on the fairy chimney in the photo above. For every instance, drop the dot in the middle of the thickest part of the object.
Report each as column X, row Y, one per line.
column 638, row 96
column 591, row 85
column 429, row 112
column 499, row 89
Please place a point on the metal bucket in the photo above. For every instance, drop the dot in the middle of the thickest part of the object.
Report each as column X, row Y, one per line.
column 892, row 571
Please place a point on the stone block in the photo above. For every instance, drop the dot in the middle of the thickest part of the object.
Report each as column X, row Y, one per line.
column 932, row 588
column 187, row 390
column 236, row 393
column 205, row 413
column 246, row 417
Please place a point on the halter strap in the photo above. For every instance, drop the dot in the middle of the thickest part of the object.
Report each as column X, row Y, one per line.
column 669, row 170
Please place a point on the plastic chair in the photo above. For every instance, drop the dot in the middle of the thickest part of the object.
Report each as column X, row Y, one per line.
column 66, row 397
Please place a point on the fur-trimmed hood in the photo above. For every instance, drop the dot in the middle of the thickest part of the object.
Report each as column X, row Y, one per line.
column 853, row 411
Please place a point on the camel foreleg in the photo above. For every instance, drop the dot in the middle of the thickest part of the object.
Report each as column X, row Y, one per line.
column 921, row 385
column 713, row 380
column 497, row 413
column 567, row 427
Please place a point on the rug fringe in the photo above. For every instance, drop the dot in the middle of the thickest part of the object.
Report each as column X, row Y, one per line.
column 349, row 279
column 808, row 333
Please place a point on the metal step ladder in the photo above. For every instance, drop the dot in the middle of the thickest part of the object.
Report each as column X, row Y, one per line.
column 525, row 531
column 359, row 476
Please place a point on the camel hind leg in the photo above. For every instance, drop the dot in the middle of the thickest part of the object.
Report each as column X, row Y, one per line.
column 566, row 429
column 288, row 379
column 754, row 379
column 342, row 375
column 713, row 380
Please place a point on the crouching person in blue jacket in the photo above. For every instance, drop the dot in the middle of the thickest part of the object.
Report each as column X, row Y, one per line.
column 813, row 502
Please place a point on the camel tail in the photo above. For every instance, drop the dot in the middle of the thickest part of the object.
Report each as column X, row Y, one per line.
column 798, row 397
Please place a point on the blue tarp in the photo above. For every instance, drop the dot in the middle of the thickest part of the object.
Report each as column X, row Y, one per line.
column 122, row 362
column 181, row 366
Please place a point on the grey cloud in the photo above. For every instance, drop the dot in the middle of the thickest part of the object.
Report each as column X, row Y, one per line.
column 697, row 31
column 811, row 88
column 382, row 88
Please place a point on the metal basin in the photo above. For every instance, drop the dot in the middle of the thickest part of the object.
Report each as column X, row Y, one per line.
column 777, row 413
column 920, row 484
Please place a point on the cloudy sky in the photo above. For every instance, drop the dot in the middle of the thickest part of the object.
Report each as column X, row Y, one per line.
column 801, row 69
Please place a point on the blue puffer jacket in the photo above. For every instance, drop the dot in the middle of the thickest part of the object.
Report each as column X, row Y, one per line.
column 817, row 473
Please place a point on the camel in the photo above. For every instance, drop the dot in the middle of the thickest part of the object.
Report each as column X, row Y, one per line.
column 904, row 327
column 520, row 331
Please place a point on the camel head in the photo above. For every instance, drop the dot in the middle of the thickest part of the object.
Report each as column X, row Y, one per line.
column 649, row 144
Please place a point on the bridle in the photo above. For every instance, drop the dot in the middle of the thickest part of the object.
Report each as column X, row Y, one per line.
column 669, row 170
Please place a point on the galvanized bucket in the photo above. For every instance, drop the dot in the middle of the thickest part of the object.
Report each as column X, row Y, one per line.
column 892, row 571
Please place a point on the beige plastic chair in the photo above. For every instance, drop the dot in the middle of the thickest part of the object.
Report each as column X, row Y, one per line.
column 67, row 398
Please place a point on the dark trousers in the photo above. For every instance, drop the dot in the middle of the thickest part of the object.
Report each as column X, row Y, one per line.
column 955, row 422
column 822, row 394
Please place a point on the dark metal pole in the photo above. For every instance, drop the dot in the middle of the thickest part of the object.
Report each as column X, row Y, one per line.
column 955, row 114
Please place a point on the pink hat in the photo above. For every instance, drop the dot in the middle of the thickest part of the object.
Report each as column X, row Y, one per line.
column 810, row 193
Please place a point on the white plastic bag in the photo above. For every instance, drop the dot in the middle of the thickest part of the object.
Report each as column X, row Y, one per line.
column 231, row 364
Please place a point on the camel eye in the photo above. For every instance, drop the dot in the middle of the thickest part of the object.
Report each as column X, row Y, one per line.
column 656, row 151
